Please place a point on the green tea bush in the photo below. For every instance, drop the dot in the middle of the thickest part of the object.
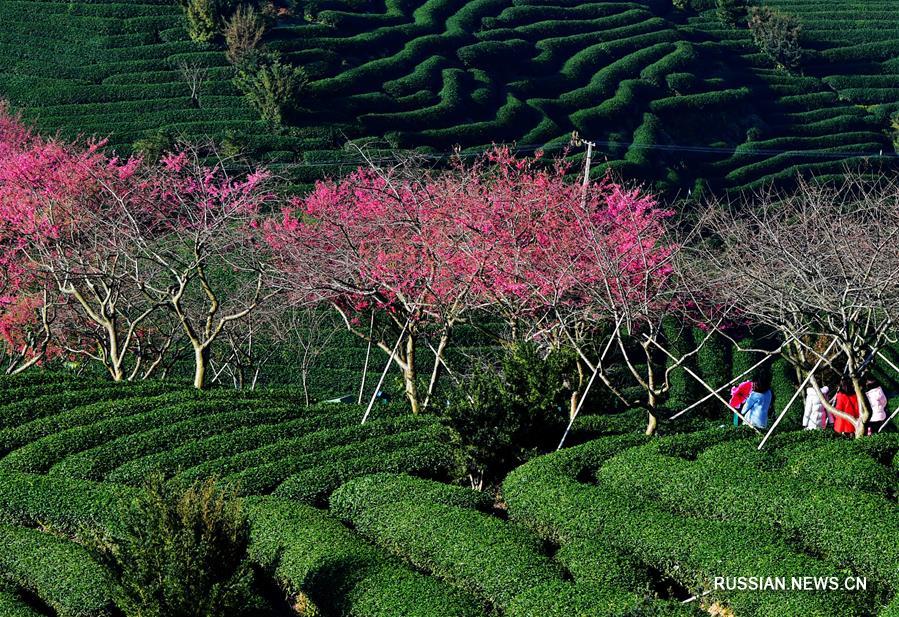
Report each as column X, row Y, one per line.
column 311, row 552
column 59, row 572
column 563, row 599
column 310, row 431
column 783, row 387
column 18, row 436
column 713, row 360
column 600, row 424
column 281, row 458
column 877, row 50
column 64, row 504
column 494, row 54
column 314, row 485
column 891, row 610
column 423, row 76
column 452, row 99
column 681, row 58
column 383, row 488
column 34, row 378
column 701, row 101
column 480, row 554
column 545, row 496
column 684, row 387
column 840, row 465
column 13, row 391
column 95, row 463
column 21, row 411
column 597, row 563
column 39, row 456
column 729, row 489
column 11, row 605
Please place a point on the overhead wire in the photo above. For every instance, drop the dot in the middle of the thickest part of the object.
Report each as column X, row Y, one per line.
column 529, row 148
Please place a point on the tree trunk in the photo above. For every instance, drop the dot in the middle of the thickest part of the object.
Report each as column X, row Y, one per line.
column 113, row 358
column 863, row 413
column 651, row 400
column 410, row 376
column 652, row 423
column 576, row 391
column 201, row 361
column 303, row 375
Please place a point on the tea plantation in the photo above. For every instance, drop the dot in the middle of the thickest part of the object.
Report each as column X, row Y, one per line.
column 672, row 97
column 360, row 519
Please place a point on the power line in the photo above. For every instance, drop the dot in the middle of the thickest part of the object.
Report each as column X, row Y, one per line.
column 525, row 148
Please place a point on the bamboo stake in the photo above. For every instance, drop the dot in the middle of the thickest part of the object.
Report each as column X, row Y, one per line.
column 892, row 415
column 384, row 373
column 796, row 394
column 371, row 330
column 725, row 386
column 587, row 389
column 690, row 372
column 887, row 421
column 888, row 361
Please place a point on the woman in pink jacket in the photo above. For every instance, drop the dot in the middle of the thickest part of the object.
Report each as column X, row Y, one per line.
column 878, row 402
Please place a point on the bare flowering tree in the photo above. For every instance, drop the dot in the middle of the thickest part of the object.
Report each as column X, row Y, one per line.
column 632, row 278
column 64, row 209
column 390, row 241
column 194, row 245
column 304, row 331
column 194, row 74
column 818, row 265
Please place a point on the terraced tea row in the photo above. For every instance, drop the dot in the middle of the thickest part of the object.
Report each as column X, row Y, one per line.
column 56, row 444
column 669, row 102
column 600, row 528
column 690, row 531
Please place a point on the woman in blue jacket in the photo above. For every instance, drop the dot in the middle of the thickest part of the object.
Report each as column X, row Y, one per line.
column 755, row 409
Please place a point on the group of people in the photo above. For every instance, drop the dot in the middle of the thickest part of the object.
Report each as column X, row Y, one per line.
column 753, row 400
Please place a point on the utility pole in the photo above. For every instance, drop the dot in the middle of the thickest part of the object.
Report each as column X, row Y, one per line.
column 578, row 141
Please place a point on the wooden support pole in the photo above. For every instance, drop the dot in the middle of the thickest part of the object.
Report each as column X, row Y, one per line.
column 798, row 391
column 384, row 373
column 889, row 419
column 589, row 383
column 888, row 361
column 690, row 372
column 725, row 386
column 895, row 368
column 371, row 331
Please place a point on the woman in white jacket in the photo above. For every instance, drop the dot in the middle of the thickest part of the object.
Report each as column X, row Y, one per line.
column 815, row 416
column 878, row 402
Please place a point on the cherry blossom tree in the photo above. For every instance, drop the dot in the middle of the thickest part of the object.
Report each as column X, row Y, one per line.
column 382, row 241
column 194, row 244
column 591, row 267
column 560, row 263
column 115, row 240
column 583, row 266
column 62, row 207
column 630, row 280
